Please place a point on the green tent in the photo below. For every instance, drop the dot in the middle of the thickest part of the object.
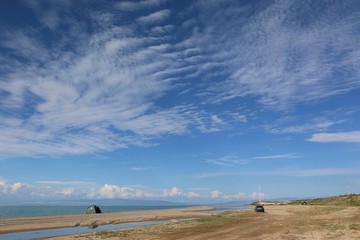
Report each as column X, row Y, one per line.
column 93, row 209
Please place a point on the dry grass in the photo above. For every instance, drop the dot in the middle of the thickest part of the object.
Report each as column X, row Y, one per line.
column 342, row 200
column 173, row 229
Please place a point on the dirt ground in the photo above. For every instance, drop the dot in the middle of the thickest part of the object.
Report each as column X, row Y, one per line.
column 284, row 222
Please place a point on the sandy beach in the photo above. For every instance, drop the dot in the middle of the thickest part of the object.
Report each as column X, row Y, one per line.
column 285, row 222
column 21, row 224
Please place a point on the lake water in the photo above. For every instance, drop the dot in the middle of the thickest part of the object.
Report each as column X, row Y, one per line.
column 22, row 211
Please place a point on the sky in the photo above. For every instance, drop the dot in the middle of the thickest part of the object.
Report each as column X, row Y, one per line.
column 185, row 101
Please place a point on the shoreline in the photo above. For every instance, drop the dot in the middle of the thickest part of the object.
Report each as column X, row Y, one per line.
column 25, row 224
column 278, row 222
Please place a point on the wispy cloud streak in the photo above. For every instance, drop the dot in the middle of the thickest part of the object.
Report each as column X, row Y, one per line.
column 348, row 137
column 94, row 94
column 108, row 83
column 277, row 57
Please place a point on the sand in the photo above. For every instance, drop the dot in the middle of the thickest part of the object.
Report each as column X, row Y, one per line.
column 22, row 224
column 278, row 222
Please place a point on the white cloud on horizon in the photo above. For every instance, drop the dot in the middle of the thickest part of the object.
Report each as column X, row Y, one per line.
column 12, row 188
column 174, row 192
column 247, row 196
column 56, row 190
column 215, row 194
column 67, row 191
column 114, row 191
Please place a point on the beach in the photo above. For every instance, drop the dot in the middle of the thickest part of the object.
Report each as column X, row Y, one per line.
column 285, row 222
column 22, row 224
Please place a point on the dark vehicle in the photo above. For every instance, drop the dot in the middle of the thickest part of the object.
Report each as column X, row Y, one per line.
column 259, row 208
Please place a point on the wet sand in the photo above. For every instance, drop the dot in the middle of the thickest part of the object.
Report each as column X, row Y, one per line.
column 22, row 224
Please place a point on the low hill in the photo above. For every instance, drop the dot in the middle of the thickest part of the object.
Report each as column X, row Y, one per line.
column 342, row 200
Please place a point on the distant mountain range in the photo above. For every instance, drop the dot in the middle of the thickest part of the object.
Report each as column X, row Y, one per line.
column 134, row 202
column 101, row 202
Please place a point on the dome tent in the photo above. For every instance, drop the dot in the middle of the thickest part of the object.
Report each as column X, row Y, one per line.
column 93, row 209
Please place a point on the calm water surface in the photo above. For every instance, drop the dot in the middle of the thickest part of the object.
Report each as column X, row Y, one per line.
column 22, row 211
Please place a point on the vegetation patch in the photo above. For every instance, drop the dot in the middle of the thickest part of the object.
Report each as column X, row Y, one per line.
column 354, row 226
column 342, row 200
column 111, row 234
column 176, row 227
column 226, row 217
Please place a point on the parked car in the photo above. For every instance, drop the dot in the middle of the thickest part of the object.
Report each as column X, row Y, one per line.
column 259, row 208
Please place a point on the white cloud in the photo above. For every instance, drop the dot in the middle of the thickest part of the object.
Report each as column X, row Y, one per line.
column 160, row 30
column 67, row 191
column 228, row 160
column 138, row 5
column 6, row 187
column 215, row 194
column 58, row 190
column 139, row 168
column 237, row 196
column 16, row 186
column 280, row 156
column 245, row 196
column 317, row 124
column 3, row 185
column 316, row 172
column 98, row 97
column 24, row 44
column 217, row 120
column 198, row 189
column 276, row 57
column 348, row 137
column 155, row 17
column 106, row 90
column 193, row 195
column 174, row 192
column 114, row 191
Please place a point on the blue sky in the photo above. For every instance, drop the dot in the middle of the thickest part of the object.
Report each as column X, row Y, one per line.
column 189, row 101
